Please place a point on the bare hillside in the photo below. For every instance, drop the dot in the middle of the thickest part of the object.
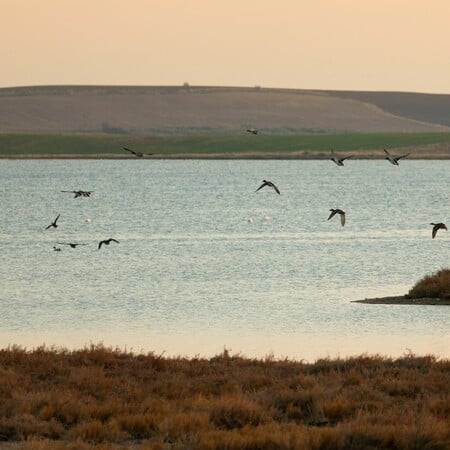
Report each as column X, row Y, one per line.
column 432, row 108
column 187, row 110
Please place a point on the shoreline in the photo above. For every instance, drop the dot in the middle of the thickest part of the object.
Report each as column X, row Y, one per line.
column 403, row 300
column 221, row 156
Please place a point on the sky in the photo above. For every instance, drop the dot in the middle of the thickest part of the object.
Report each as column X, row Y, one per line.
column 388, row 45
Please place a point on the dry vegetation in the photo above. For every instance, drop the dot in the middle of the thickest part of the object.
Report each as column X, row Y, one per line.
column 436, row 285
column 106, row 398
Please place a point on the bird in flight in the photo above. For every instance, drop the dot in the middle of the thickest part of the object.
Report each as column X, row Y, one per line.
column 106, row 242
column 53, row 224
column 336, row 160
column 436, row 227
column 80, row 193
column 56, row 249
column 337, row 211
column 270, row 184
column 252, row 131
column 70, row 243
column 138, row 154
column 394, row 159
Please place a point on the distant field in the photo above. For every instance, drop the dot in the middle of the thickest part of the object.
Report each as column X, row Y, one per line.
column 270, row 146
column 214, row 110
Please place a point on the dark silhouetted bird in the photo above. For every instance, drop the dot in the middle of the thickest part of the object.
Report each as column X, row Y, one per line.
column 80, row 193
column 270, row 184
column 71, row 244
column 336, row 160
column 53, row 224
column 252, row 131
column 436, row 227
column 337, row 211
column 135, row 153
column 394, row 159
column 56, row 249
column 106, row 242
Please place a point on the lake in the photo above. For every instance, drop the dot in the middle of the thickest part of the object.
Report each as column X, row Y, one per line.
column 205, row 263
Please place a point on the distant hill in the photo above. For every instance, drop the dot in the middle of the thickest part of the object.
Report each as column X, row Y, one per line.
column 180, row 110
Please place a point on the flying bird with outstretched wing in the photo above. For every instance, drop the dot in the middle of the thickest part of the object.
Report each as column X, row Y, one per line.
column 53, row 224
column 106, row 242
column 136, row 153
column 338, row 161
column 337, row 211
column 270, row 184
column 436, row 227
column 394, row 159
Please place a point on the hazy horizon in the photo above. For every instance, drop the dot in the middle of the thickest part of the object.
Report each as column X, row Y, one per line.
column 323, row 45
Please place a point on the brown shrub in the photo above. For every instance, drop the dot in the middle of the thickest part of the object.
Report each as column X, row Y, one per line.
column 103, row 398
column 236, row 412
column 436, row 285
column 97, row 431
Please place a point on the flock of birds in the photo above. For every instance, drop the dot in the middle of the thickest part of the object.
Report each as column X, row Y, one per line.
column 54, row 224
column 339, row 161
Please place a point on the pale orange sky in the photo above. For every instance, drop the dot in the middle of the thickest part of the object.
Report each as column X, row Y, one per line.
column 401, row 45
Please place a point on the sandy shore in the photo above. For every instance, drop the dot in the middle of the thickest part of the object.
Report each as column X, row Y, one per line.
column 403, row 300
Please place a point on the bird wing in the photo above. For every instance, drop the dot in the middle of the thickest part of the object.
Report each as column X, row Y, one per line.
column 149, row 154
column 128, row 150
column 342, row 219
column 433, row 233
column 264, row 184
column 276, row 189
column 114, row 240
column 49, row 226
column 57, row 218
column 403, row 156
column 100, row 244
column 347, row 157
column 387, row 153
column 332, row 214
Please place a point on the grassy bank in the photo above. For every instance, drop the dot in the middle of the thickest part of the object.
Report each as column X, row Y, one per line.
column 51, row 398
column 108, row 145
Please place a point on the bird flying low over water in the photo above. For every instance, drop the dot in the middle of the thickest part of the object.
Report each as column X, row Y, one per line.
column 106, row 242
column 270, row 184
column 138, row 154
column 252, row 131
column 336, row 160
column 436, row 227
column 53, row 224
column 56, row 249
column 394, row 159
column 80, row 193
column 337, row 211
column 70, row 243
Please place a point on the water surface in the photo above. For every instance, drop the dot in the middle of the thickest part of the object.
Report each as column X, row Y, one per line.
column 193, row 274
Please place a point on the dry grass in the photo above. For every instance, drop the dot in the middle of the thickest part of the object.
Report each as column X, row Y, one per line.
column 109, row 399
column 436, row 285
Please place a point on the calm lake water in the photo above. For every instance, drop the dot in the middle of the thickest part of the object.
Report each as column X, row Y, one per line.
column 192, row 274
